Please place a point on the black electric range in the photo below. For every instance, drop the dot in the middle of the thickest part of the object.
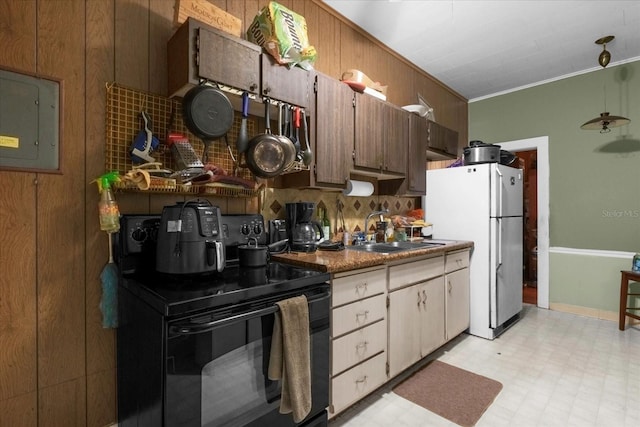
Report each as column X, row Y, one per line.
column 174, row 295
column 194, row 351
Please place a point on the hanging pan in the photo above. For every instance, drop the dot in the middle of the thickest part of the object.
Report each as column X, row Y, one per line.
column 268, row 155
column 207, row 113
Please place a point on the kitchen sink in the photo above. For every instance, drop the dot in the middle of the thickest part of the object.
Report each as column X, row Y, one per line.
column 387, row 248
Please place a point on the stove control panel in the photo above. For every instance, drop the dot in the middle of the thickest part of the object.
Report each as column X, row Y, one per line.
column 238, row 229
column 136, row 231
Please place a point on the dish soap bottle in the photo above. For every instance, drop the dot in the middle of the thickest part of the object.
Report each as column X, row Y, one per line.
column 107, row 206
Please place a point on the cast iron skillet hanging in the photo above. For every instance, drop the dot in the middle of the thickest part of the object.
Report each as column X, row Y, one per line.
column 207, row 113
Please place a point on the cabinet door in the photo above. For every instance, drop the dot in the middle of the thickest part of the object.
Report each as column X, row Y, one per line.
column 369, row 134
column 396, row 142
column 228, row 61
column 436, row 136
column 198, row 51
column 457, row 302
column 432, row 312
column 404, row 328
column 334, row 127
column 279, row 82
column 450, row 141
column 417, row 167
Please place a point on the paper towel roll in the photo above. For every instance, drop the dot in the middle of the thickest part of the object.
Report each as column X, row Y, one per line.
column 358, row 188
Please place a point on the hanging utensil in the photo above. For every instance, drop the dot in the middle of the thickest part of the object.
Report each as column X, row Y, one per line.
column 109, row 300
column 292, row 135
column 307, row 154
column 243, row 138
column 287, row 143
column 285, row 127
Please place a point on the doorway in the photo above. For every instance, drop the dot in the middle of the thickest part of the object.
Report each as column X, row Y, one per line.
column 541, row 146
column 528, row 162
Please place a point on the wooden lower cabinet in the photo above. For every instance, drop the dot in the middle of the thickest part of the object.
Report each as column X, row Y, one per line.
column 358, row 335
column 416, row 323
column 384, row 319
column 457, row 293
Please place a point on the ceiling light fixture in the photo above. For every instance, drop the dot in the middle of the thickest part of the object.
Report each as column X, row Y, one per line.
column 605, row 122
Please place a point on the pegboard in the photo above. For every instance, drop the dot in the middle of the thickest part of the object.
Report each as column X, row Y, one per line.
column 124, row 122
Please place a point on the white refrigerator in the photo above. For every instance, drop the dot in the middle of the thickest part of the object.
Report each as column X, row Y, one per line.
column 483, row 203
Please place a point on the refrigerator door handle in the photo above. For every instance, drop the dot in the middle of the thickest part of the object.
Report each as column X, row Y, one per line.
column 499, row 243
column 499, row 192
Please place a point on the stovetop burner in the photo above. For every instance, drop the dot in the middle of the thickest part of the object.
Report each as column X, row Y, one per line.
column 174, row 295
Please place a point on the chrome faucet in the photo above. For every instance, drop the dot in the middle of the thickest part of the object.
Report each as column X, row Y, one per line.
column 366, row 221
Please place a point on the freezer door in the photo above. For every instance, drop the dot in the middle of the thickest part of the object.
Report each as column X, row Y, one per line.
column 506, row 191
column 506, row 269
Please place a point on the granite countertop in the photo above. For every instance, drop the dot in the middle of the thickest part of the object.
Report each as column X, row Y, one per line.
column 345, row 260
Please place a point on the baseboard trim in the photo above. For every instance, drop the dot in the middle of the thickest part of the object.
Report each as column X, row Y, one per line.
column 585, row 311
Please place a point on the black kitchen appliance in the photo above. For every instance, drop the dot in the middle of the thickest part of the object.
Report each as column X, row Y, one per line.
column 193, row 350
column 302, row 232
column 277, row 230
column 190, row 239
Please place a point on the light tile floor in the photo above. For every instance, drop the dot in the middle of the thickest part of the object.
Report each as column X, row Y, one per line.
column 557, row 369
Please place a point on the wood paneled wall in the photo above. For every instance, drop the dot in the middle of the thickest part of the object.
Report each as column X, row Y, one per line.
column 57, row 363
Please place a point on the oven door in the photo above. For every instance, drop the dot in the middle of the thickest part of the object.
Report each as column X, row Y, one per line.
column 216, row 365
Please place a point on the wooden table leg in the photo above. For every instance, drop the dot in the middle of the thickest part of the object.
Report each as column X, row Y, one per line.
column 624, row 290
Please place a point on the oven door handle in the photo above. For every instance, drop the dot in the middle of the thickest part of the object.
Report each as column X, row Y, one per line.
column 189, row 328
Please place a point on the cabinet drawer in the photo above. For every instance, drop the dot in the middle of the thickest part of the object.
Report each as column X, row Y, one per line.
column 357, row 286
column 456, row 260
column 357, row 346
column 357, row 314
column 357, row 382
column 414, row 272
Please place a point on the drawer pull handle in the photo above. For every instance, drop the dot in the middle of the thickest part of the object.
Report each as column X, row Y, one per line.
column 419, row 299
column 361, row 286
column 361, row 345
column 449, row 285
column 424, row 298
column 361, row 380
column 364, row 314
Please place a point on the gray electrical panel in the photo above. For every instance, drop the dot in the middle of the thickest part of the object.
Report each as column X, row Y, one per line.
column 29, row 122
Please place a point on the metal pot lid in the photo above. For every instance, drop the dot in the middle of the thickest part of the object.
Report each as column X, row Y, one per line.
column 207, row 112
column 481, row 144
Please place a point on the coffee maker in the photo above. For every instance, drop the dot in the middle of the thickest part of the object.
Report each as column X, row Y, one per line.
column 301, row 231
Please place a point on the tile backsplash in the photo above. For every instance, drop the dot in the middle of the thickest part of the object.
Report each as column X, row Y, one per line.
column 354, row 209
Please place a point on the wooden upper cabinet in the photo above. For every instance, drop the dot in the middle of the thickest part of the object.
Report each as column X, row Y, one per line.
column 334, row 130
column 369, row 133
column 381, row 133
column 199, row 52
column 291, row 85
column 442, row 139
column 396, row 143
column 417, row 164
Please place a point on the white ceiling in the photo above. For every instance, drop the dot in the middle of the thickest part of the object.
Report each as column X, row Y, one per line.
column 483, row 48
